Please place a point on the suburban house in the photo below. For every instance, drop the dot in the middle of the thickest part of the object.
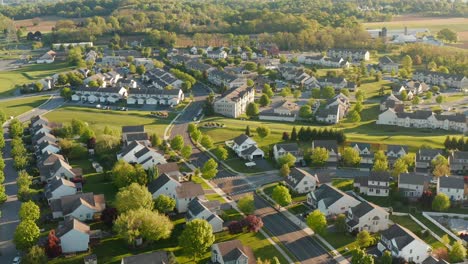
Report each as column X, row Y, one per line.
column 438, row 78
column 138, row 153
column 403, row 243
column 424, row 119
column 337, row 83
column 233, row 102
column 155, row 96
column 353, row 54
column 300, row 181
column 387, row 65
column 281, row 149
column 331, row 146
column 376, row 184
column 324, row 61
column 206, row 210
column 182, row 192
column 411, row 185
column 392, row 102
column 458, row 161
column 146, row 62
column 222, row 78
column 135, row 133
column 47, row 146
column 57, row 46
column 364, row 150
column 104, row 79
column 232, row 252
column 395, row 152
column 367, row 216
column 195, row 65
column 245, row 147
column 155, row 257
column 424, row 157
column 452, row 186
column 82, row 206
column 160, row 79
column 38, row 120
column 335, row 109
column 48, row 57
column 330, row 200
column 43, row 136
column 60, row 168
column 416, row 88
column 286, row 111
column 216, row 54
column 59, row 187
column 74, row 236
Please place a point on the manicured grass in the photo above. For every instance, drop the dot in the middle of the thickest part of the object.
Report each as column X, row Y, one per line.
column 215, row 197
column 199, row 180
column 371, row 88
column 28, row 74
column 407, row 222
column 340, row 241
column 239, row 165
column 98, row 183
column 434, row 24
column 99, row 119
column 231, row 215
column 298, row 209
column 343, row 184
column 18, row 106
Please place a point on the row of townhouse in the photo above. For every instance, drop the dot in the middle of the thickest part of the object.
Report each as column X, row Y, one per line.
column 437, row 78
column 99, row 95
column 324, row 61
column 335, row 110
column 285, row 111
column 424, row 119
column 161, row 79
column 222, row 78
column 411, row 88
column 353, row 54
column 152, row 96
column 233, row 102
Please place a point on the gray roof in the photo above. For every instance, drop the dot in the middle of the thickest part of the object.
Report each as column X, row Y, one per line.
column 133, row 129
column 397, row 148
column 189, row 190
column 382, row 176
column 57, row 182
column 452, row 182
column 386, row 60
column 195, row 207
column 288, row 147
column 296, row 175
column 401, row 235
column 360, row 145
column 139, row 136
column 433, row 260
column 420, row 114
column 249, row 151
column 328, row 144
column 240, row 139
column 67, row 204
column 231, row 251
column 158, row 183
column 127, row 149
column 411, row 178
column 432, row 153
column 460, row 155
column 325, row 112
column 459, row 118
column 362, row 209
column 328, row 194
column 157, row 257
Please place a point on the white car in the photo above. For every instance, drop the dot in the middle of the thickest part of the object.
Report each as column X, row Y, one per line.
column 98, row 106
column 17, row 260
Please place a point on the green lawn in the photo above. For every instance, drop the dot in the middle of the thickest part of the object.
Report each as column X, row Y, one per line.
column 28, row 74
column 343, row 184
column 98, row 183
column 298, row 208
column 215, row 197
column 407, row 222
column 99, row 119
column 18, row 106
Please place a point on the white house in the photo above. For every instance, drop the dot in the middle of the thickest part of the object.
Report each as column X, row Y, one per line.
column 452, row 186
column 245, row 147
column 82, row 206
column 353, row 54
column 364, row 150
column 300, row 181
column 281, row 149
column 137, row 152
column 59, row 187
column 48, row 57
column 217, row 54
column 232, row 252
column 403, row 243
column 395, row 152
column 376, row 184
column 330, row 200
column 206, row 210
column 367, row 216
column 424, row 157
column 61, row 169
column 74, row 236
column 411, row 185
column 458, row 161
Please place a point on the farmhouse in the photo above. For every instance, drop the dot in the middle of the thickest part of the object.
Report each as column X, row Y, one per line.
column 367, row 216
column 330, row 200
column 233, row 103
column 74, row 236
column 232, row 251
column 376, row 184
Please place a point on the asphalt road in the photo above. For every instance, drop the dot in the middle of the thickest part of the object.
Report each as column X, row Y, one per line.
column 9, row 219
column 305, row 248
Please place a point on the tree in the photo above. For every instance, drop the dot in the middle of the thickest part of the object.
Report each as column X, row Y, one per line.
column 317, row 221
column 246, row 204
column 416, row 100
column 297, row 94
column 132, row 68
column 359, row 256
column 125, row 174
column 3, row 196
column 380, row 161
column 196, row 135
column 285, row 170
column 196, row 238
column 447, row 35
column 164, row 204
column 441, row 202
column 16, row 128
column 350, row 157
column 109, row 215
column 386, row 257
column 407, row 63
column 340, row 223
column 143, row 223
column 305, row 111
column 328, row 92
column 439, row 99
column 458, row 252
column 252, row 110
column 264, row 100
column 399, row 167
column 26, row 235
column 209, row 169
column 319, row 156
column 36, row 255
column 66, row 93
column 358, row 107
column 440, row 166
column 206, row 141
column 133, row 197
column 364, row 239
column 52, row 247
column 177, row 143
column 186, row 152
column 285, row 92
column 141, row 69
column 263, row 131
column 287, row 159
column 221, row 153
column 29, row 211
column 354, row 116
column 281, row 195
column 247, row 131
column 267, row 90
column 253, row 223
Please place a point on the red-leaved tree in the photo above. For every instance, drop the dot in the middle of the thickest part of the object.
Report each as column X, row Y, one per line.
column 253, row 223
column 108, row 216
column 235, row 227
column 53, row 248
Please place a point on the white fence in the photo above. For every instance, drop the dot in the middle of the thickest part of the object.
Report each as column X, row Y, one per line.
column 427, row 215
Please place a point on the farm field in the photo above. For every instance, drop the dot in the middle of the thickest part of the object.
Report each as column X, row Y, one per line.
column 98, row 119
column 22, row 105
column 44, row 24
column 9, row 80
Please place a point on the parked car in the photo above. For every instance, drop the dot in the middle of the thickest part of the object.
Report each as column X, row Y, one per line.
column 17, row 260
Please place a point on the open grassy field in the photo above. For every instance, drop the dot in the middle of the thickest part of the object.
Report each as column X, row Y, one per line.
column 18, row 106
column 44, row 24
column 9, row 80
column 98, row 119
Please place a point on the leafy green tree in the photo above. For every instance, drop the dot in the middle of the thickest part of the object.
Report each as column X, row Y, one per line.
column 29, row 211
column 350, row 157
column 359, row 256
column 143, row 223
column 399, row 167
column 196, row 238
column 16, row 128
column 164, row 203
column 221, row 153
column 209, row 169
column 264, row 100
column 440, row 166
column 319, row 156
column 407, row 63
column 287, row 159
column 340, row 223
column 380, row 161
column 132, row 69
column 26, row 235
column 246, row 204
column 440, row 99
column 252, row 110
column 3, row 196
column 317, row 222
column 35, row 255
column 416, row 100
column 441, row 202
column 141, row 69
column 66, row 93
column 447, row 35
column 263, row 131
column 285, row 92
column 360, row 96
column 305, row 111
column 354, row 116
column 177, row 143
column 206, row 141
column 267, row 90
column 458, row 252
column 364, row 239
column 285, row 170
column 186, row 152
column 133, row 197
column 281, row 195
column 297, row 94
column 386, row 257
column 358, row 107
column 328, row 92
column 125, row 174
column 196, row 135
